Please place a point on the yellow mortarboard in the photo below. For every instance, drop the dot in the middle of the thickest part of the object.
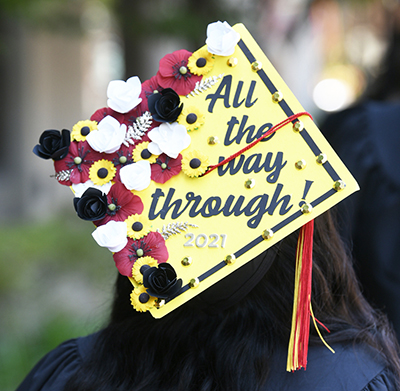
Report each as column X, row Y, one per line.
column 207, row 186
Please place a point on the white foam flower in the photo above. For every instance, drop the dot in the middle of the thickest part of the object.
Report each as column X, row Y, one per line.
column 221, row 38
column 168, row 138
column 80, row 188
column 112, row 235
column 136, row 176
column 108, row 137
column 123, row 96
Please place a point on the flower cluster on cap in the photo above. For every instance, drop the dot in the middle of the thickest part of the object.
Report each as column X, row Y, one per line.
column 142, row 136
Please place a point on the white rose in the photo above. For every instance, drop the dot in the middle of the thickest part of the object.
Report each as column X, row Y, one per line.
column 112, row 235
column 221, row 38
column 80, row 188
column 136, row 176
column 168, row 138
column 108, row 136
column 124, row 96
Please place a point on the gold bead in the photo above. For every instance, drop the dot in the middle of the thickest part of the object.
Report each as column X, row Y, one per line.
column 267, row 234
column 300, row 164
column 277, row 96
column 306, row 208
column 232, row 62
column 159, row 303
column 230, row 259
column 298, row 126
column 249, row 183
column 187, row 261
column 194, row 282
column 339, row 185
column 256, row 66
column 321, row 158
column 212, row 140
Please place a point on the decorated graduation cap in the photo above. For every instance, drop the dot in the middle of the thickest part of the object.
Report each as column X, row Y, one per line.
column 195, row 172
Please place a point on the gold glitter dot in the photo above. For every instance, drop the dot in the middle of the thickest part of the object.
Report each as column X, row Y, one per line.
column 230, row 259
column 306, row 208
column 194, row 282
column 212, row 140
column 187, row 261
column 232, row 62
column 298, row 126
column 159, row 303
column 249, row 183
column 267, row 234
column 256, row 66
column 277, row 96
column 321, row 158
column 339, row 185
column 300, row 164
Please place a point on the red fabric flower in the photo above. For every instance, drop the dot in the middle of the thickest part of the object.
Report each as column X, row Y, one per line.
column 101, row 113
column 122, row 157
column 148, row 88
column 165, row 168
column 125, row 204
column 174, row 73
column 151, row 245
column 139, row 110
column 79, row 159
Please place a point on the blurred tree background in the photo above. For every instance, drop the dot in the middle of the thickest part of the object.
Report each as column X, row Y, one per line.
column 56, row 60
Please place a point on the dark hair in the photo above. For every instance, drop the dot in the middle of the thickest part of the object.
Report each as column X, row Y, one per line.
column 190, row 349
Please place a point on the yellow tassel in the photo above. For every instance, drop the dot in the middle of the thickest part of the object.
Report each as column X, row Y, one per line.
column 319, row 333
column 293, row 356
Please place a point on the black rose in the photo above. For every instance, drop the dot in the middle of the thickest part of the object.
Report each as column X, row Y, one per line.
column 53, row 144
column 164, row 105
column 92, row 205
column 161, row 281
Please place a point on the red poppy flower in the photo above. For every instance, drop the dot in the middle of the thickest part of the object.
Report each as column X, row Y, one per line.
column 121, row 204
column 75, row 166
column 122, row 157
column 165, row 168
column 151, row 245
column 101, row 113
column 138, row 111
column 174, row 73
column 148, row 88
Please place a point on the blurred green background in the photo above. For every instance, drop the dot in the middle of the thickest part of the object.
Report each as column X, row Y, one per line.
column 56, row 60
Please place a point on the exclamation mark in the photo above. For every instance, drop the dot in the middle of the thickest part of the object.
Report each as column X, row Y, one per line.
column 306, row 190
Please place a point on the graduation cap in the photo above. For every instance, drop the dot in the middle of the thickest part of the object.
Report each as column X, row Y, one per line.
column 200, row 169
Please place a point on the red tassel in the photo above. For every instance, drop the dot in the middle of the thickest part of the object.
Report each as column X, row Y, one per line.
column 300, row 332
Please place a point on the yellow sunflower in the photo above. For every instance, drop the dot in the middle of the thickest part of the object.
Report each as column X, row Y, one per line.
column 137, row 226
column 142, row 153
column 191, row 117
column 194, row 164
column 141, row 300
column 140, row 266
column 102, row 172
column 81, row 129
column 201, row 62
